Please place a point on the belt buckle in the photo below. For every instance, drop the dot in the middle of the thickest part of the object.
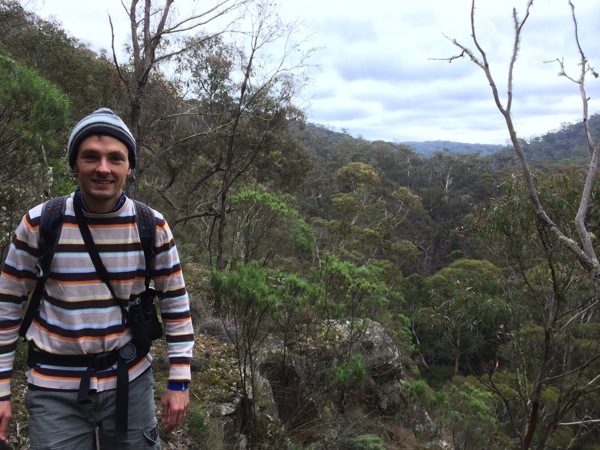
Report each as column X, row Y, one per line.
column 103, row 361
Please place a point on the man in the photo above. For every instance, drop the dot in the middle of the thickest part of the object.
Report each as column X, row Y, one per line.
column 79, row 315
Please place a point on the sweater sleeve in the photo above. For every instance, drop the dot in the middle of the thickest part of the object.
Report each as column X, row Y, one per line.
column 174, row 303
column 17, row 280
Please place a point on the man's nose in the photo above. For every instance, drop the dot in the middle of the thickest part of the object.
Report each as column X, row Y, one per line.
column 103, row 165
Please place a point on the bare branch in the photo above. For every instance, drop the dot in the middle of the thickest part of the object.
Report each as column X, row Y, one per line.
column 585, row 256
column 465, row 51
column 581, row 422
column 114, row 53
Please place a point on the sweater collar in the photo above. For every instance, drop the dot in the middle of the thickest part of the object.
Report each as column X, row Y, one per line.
column 79, row 199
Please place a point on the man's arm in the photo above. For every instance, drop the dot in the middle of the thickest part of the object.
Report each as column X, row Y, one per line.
column 16, row 282
column 176, row 317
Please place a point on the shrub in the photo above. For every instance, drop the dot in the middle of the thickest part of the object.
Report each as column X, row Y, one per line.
column 364, row 442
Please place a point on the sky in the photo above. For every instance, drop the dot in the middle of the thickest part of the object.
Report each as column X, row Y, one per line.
column 381, row 69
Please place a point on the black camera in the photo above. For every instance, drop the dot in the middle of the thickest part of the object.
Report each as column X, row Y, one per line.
column 142, row 315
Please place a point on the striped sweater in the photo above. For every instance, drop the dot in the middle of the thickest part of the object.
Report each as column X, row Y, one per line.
column 78, row 314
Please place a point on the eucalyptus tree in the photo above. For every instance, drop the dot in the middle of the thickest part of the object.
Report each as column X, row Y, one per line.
column 579, row 242
column 235, row 123
column 157, row 35
column 364, row 220
column 463, row 310
column 547, row 365
column 267, row 228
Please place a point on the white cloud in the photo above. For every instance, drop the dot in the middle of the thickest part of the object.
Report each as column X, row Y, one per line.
column 379, row 77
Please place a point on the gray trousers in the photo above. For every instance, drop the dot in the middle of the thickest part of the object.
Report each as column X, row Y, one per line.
column 57, row 421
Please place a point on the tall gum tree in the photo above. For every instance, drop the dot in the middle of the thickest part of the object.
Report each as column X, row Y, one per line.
column 236, row 88
column 155, row 32
column 242, row 105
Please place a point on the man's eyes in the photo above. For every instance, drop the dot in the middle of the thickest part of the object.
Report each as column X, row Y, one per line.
column 112, row 158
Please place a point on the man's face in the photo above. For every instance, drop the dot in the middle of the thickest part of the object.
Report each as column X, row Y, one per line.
column 102, row 165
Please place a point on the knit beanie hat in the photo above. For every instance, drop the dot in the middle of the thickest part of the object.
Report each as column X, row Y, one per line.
column 101, row 122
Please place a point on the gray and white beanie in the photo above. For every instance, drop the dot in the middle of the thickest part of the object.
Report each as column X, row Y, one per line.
column 101, row 122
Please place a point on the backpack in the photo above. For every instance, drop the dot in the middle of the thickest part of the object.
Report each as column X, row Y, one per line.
column 51, row 222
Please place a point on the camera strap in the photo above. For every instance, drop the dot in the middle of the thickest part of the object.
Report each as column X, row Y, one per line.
column 122, row 400
column 90, row 246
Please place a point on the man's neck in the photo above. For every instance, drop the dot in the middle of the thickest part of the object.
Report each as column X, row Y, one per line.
column 100, row 207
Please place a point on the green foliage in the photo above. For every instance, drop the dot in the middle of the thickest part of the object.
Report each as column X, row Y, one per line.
column 350, row 292
column 364, row 442
column 64, row 61
column 472, row 404
column 34, row 111
column 249, row 302
column 246, row 295
column 270, row 228
column 357, row 175
column 33, row 114
column 419, row 392
column 62, row 181
column 197, row 420
column 566, row 145
column 303, row 238
column 348, row 374
column 463, row 311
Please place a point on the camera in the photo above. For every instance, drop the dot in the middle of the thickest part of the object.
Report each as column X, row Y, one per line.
column 143, row 318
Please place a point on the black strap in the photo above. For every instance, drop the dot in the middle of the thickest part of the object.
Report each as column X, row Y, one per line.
column 95, row 363
column 51, row 221
column 33, row 306
column 146, row 222
column 122, row 400
column 91, row 247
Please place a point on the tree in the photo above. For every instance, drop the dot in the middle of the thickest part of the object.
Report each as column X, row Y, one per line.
column 234, row 122
column 33, row 114
column 578, row 241
column 581, row 246
column 269, row 230
column 152, row 31
column 462, row 313
column 249, row 304
column 88, row 80
column 545, row 370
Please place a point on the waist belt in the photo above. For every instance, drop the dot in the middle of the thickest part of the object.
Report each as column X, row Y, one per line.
column 95, row 363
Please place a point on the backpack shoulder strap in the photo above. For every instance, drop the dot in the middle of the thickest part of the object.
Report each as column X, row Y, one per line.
column 146, row 222
column 51, row 222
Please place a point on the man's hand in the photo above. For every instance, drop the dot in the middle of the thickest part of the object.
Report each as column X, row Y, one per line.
column 5, row 416
column 174, row 408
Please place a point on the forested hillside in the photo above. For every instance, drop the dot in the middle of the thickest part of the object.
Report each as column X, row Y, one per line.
column 301, row 244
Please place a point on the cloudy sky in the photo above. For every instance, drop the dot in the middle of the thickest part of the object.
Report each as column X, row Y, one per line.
column 381, row 72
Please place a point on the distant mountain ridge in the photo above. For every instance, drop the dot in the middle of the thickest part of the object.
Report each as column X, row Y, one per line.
column 428, row 148
column 330, row 136
column 567, row 144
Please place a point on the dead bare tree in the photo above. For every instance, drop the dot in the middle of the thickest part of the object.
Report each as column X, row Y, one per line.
column 574, row 384
column 584, row 250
